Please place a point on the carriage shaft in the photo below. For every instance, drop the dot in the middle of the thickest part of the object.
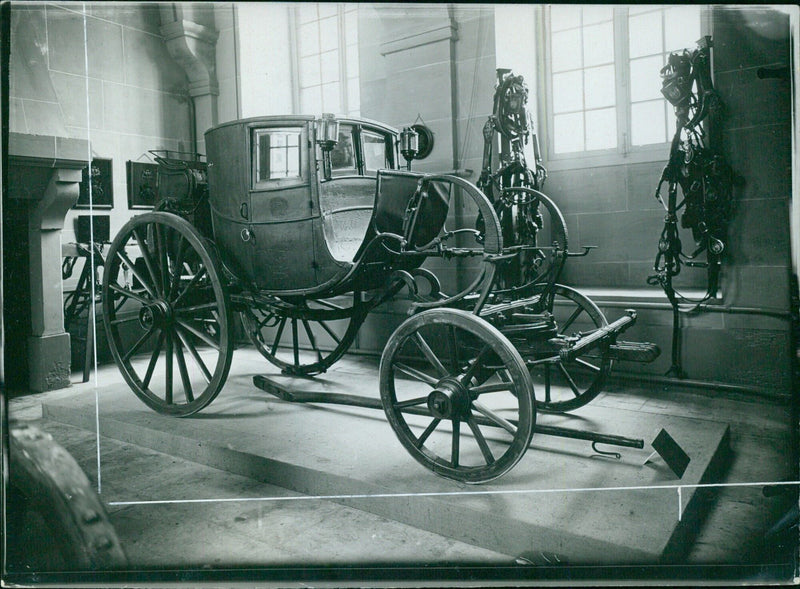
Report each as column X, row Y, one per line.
column 370, row 403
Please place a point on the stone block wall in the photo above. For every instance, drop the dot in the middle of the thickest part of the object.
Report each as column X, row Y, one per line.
column 104, row 75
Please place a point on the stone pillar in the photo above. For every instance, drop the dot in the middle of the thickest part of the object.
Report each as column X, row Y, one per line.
column 191, row 38
column 44, row 178
column 49, row 344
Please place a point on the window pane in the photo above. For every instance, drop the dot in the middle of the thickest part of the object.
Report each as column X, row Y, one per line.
column 598, row 44
column 597, row 13
column 564, row 17
column 599, row 87
column 308, row 39
column 343, row 154
column 681, row 27
column 567, row 91
column 328, row 34
column 306, row 11
column 646, row 78
column 671, row 122
column 352, row 61
column 566, row 50
column 353, row 95
column 311, row 100
column 601, row 129
column 647, row 123
column 309, row 71
column 329, row 64
column 278, row 155
column 331, row 101
column 644, row 33
column 327, row 9
column 351, row 27
column 374, row 151
column 568, row 133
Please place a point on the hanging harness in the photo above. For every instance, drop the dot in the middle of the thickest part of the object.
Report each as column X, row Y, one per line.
column 705, row 181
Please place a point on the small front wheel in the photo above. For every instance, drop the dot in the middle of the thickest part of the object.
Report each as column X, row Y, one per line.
column 458, row 395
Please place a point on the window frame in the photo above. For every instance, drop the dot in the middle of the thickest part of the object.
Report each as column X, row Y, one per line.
column 625, row 152
column 346, row 102
column 283, row 182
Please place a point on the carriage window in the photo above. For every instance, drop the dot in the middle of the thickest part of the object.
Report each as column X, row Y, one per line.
column 278, row 154
column 374, row 147
column 343, row 156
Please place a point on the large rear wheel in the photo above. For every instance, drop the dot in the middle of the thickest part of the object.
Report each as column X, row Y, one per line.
column 167, row 314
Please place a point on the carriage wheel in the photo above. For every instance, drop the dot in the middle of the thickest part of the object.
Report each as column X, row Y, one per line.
column 167, row 315
column 568, row 385
column 305, row 338
column 458, row 395
column 55, row 520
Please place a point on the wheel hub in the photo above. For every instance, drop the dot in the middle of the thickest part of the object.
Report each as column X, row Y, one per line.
column 449, row 400
column 156, row 314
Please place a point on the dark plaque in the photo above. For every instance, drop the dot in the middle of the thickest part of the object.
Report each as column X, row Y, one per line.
column 97, row 187
column 142, row 185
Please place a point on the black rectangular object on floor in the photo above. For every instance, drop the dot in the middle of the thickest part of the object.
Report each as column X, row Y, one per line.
column 101, row 224
column 671, row 452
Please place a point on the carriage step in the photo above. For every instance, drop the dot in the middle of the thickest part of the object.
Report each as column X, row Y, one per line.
column 634, row 351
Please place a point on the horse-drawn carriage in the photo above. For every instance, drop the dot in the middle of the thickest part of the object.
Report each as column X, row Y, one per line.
column 313, row 225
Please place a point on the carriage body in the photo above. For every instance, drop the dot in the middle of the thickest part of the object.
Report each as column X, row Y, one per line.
column 285, row 228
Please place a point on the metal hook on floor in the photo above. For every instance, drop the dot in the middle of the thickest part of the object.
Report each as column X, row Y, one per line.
column 616, row 455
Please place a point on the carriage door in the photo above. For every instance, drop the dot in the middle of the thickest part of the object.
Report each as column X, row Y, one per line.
column 281, row 208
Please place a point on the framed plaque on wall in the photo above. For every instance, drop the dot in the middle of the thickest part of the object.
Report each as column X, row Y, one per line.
column 142, row 185
column 102, row 186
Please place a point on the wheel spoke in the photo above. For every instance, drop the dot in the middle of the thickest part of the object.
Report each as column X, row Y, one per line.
column 485, row 450
column 428, row 352
column 410, row 403
column 474, row 366
column 187, row 383
column 203, row 336
column 153, row 359
column 488, row 413
column 138, row 345
column 128, row 293
column 455, row 444
column 177, row 270
column 547, row 398
column 311, row 338
column 161, row 246
column 453, row 349
column 146, row 255
column 127, row 261
column 195, row 279
column 428, row 431
column 194, row 353
column 414, row 373
column 330, row 332
column 575, row 314
column 278, row 336
column 575, row 390
column 589, row 365
column 295, row 346
column 195, row 308
column 168, row 380
column 491, row 388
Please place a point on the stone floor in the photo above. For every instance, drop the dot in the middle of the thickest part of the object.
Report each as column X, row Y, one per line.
column 325, row 533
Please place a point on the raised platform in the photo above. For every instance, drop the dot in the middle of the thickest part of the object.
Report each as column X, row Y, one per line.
column 561, row 504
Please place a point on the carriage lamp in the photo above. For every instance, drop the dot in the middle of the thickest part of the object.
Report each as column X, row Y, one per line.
column 409, row 145
column 327, row 138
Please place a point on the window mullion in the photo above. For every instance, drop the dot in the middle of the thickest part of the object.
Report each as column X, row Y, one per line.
column 622, row 79
column 343, row 101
